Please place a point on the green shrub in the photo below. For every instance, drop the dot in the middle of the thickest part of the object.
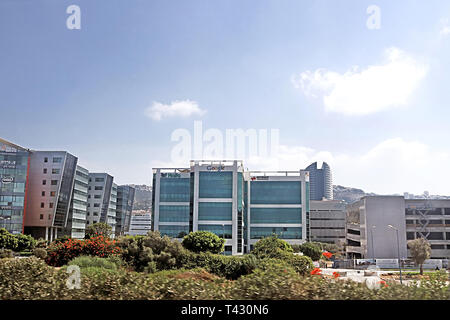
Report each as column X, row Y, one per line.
column 7, row 240
column 271, row 247
column 98, row 229
column 25, row 242
column 203, row 241
column 312, row 250
column 40, row 253
column 95, row 262
column 6, row 253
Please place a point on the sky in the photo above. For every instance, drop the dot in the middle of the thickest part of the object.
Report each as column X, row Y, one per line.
column 362, row 85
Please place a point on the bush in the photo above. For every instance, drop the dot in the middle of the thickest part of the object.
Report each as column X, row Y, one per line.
column 203, row 241
column 312, row 250
column 151, row 253
column 60, row 253
column 25, row 242
column 7, row 240
column 98, row 229
column 95, row 262
column 271, row 247
column 40, row 253
column 6, row 253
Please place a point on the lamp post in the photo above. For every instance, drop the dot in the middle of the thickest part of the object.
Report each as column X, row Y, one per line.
column 398, row 249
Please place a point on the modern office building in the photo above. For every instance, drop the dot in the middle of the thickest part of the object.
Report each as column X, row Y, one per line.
column 14, row 169
column 220, row 197
column 321, row 182
column 125, row 200
column 78, row 208
column 140, row 224
column 49, row 197
column 277, row 203
column 369, row 234
column 327, row 221
column 102, row 200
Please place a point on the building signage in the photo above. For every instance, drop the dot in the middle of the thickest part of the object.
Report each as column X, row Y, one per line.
column 8, row 164
column 215, row 168
column 7, row 180
column 262, row 178
column 170, row 175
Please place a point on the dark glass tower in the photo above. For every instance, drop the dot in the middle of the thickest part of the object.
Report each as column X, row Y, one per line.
column 321, row 183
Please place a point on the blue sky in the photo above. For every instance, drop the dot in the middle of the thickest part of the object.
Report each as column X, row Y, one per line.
column 287, row 65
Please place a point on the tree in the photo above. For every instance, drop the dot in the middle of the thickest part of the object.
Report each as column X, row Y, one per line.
column 312, row 250
column 272, row 247
column 7, row 240
column 25, row 242
column 98, row 229
column 203, row 241
column 420, row 251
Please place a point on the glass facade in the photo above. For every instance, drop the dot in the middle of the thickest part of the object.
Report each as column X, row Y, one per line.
column 275, row 192
column 173, row 213
column 174, row 231
column 222, row 231
column 215, row 184
column 275, row 215
column 215, row 211
column 174, row 190
column 13, row 179
column 282, row 233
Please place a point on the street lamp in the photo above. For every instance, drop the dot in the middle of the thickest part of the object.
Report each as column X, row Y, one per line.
column 398, row 249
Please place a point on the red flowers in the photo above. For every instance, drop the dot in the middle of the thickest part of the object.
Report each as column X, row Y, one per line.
column 383, row 283
column 336, row 275
column 327, row 254
column 316, row 271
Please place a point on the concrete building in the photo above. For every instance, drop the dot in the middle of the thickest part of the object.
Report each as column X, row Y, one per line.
column 49, row 198
column 241, row 207
column 125, row 200
column 321, row 182
column 14, row 170
column 140, row 224
column 102, row 200
column 368, row 234
column 327, row 221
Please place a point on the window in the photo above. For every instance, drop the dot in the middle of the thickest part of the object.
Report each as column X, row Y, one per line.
column 437, row 246
column 410, row 236
column 42, row 205
column 43, row 193
column 96, row 205
column 41, row 216
column 282, row 233
column 56, row 171
column 50, row 205
column 435, row 236
column 95, row 214
column 215, row 184
column 54, row 182
column 222, row 231
column 275, row 215
column 173, row 213
column 98, row 188
column 57, row 160
column 275, row 192
column 52, row 193
column 174, row 190
column 44, row 182
column 215, row 211
column 49, row 217
column 45, row 170
column 45, row 159
column 174, row 231
column 97, row 196
column 99, row 179
column 88, row 214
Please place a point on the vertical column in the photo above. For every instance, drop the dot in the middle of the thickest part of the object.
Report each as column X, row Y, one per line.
column 235, row 211
column 248, row 214
column 157, row 191
column 46, row 233
column 196, row 197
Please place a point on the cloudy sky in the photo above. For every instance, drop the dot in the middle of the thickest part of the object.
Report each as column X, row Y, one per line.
column 363, row 88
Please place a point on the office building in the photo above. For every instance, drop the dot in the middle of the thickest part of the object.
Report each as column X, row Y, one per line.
column 14, row 169
column 102, row 200
column 49, row 197
column 321, row 182
column 76, row 225
column 327, row 221
column 239, row 206
column 125, row 200
column 140, row 224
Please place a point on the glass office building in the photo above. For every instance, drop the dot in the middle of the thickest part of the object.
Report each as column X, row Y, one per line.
column 239, row 206
column 125, row 201
column 14, row 166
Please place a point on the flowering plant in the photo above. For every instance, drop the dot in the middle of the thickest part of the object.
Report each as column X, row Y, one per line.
column 316, row 271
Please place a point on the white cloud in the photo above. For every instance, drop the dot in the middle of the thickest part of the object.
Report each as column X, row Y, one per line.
column 364, row 91
column 445, row 28
column 183, row 108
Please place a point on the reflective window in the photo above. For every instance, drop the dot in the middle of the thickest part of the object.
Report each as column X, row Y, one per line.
column 173, row 213
column 215, row 184
column 174, row 190
column 174, row 231
column 222, row 231
column 282, row 233
column 215, row 211
column 275, row 192
column 275, row 215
